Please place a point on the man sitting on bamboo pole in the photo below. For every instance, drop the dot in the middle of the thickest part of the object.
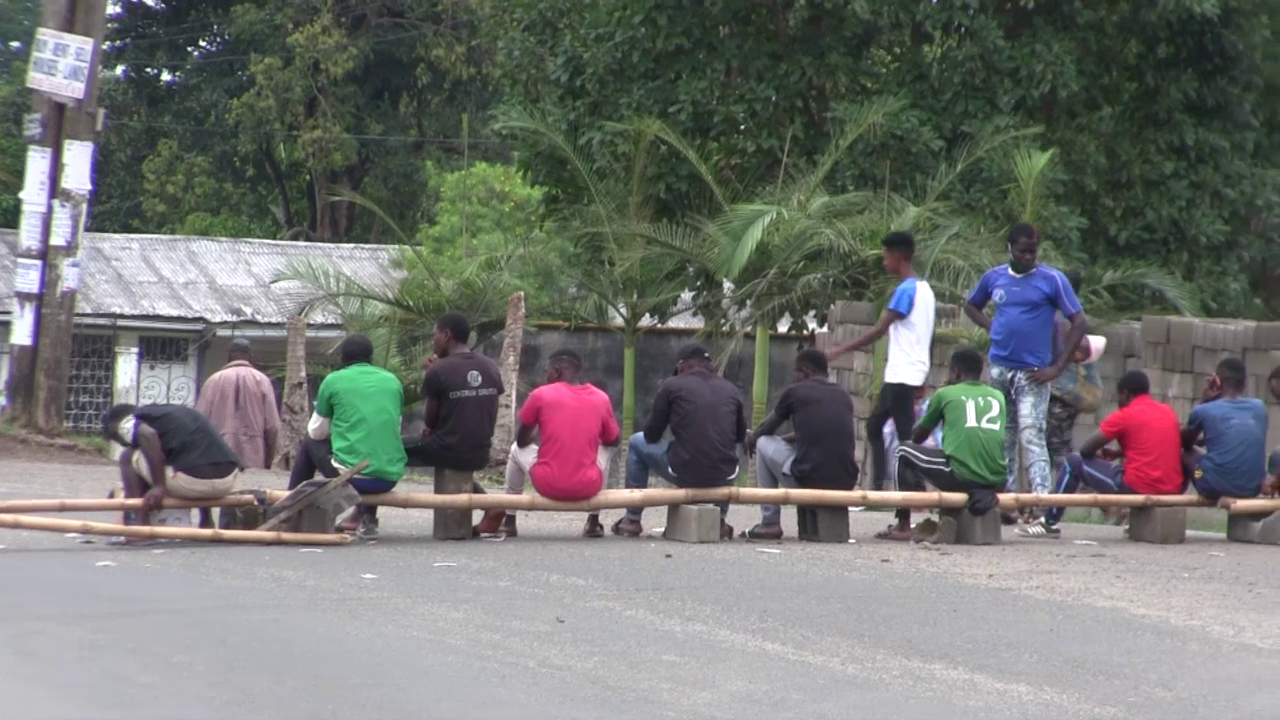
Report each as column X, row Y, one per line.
column 170, row 451
column 1234, row 431
column 972, row 457
column 818, row 454
column 708, row 422
column 579, row 438
column 356, row 417
column 1150, row 442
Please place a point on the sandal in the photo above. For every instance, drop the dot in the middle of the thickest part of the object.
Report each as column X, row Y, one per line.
column 893, row 532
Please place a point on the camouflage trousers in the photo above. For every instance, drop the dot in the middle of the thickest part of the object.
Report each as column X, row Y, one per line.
column 1060, row 423
column 1025, row 420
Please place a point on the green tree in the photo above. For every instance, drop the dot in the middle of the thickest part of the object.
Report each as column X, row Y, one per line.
column 18, row 21
column 629, row 266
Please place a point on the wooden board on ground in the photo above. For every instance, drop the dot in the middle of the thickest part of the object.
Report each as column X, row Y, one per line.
column 305, row 497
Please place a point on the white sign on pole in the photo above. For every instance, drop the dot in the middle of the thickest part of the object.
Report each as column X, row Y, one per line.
column 27, row 276
column 30, row 230
column 35, row 179
column 60, row 63
column 77, row 166
column 70, row 274
column 22, row 329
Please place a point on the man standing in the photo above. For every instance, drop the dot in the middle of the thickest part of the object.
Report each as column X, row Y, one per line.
column 1234, row 430
column 461, row 390
column 241, row 402
column 908, row 319
column 356, row 417
column 1026, row 296
column 820, row 451
column 971, row 459
column 708, row 421
column 579, row 437
column 170, row 451
column 1150, row 443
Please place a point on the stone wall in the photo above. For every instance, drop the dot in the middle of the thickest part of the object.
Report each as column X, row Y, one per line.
column 1178, row 354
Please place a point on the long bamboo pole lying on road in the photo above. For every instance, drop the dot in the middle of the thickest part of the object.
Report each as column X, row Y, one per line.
column 27, row 522
column 658, row 497
column 111, row 504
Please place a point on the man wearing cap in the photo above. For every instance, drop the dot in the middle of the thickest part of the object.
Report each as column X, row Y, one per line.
column 241, row 403
column 708, row 423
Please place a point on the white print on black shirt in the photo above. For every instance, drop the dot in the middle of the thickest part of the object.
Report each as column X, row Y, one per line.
column 472, row 393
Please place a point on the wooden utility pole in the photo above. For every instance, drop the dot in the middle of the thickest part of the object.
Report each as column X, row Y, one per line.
column 65, row 59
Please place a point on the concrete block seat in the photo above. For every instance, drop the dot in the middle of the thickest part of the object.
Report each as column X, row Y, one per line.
column 823, row 524
column 1259, row 529
column 693, row 523
column 452, row 524
column 1159, row 525
column 958, row 526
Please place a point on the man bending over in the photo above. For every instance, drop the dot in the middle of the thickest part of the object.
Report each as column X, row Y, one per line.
column 356, row 417
column 579, row 438
column 708, row 421
column 1150, row 443
column 1234, row 431
column 170, row 451
column 971, row 458
column 819, row 454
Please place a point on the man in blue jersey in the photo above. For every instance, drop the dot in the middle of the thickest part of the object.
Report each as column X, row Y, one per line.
column 1026, row 296
column 908, row 321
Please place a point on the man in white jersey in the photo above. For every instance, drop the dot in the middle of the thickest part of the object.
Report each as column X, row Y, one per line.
column 908, row 320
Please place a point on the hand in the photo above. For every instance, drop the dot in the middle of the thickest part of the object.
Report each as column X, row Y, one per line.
column 1047, row 375
column 750, row 444
column 428, row 361
column 426, row 431
column 1212, row 389
column 1108, row 454
column 1271, row 487
column 153, row 500
column 833, row 353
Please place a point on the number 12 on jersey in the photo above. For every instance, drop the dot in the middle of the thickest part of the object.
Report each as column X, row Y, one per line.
column 988, row 407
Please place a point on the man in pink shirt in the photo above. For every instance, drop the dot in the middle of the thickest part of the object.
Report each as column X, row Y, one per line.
column 241, row 403
column 579, row 438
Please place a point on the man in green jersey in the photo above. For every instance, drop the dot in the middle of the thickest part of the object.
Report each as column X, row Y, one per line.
column 972, row 457
column 356, row 417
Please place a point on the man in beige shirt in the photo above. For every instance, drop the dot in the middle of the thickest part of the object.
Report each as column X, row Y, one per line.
column 241, row 403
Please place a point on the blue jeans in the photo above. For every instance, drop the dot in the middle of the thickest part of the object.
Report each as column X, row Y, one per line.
column 644, row 457
column 1097, row 474
column 372, row 485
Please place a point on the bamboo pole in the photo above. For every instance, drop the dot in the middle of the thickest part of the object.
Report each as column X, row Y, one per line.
column 27, row 522
column 1250, row 506
column 117, row 504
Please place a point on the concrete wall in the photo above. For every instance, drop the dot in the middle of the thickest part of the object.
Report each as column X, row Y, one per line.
column 1178, row 354
column 601, row 352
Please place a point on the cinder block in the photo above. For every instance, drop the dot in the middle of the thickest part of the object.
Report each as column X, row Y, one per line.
column 693, row 523
column 1241, row 336
column 823, row 524
column 1178, row 358
column 171, row 518
column 248, row 517
column 1208, row 335
column 452, row 524
column 958, row 526
column 1132, row 363
column 1205, row 361
column 1159, row 525
column 1261, row 529
column 1111, row 366
column 1266, row 336
column 1155, row 329
column 1182, row 331
column 1128, row 339
column 1260, row 362
column 1153, row 355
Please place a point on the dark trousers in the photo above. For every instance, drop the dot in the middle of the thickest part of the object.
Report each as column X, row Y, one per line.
column 919, row 465
column 898, row 402
column 1097, row 474
column 427, row 451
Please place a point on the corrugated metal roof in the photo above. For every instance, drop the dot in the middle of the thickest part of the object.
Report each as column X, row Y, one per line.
column 218, row 280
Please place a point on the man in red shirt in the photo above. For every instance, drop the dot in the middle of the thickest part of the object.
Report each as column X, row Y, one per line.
column 579, row 438
column 1150, row 440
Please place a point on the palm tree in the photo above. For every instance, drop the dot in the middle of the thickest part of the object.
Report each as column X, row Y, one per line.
column 798, row 247
column 631, row 265
column 398, row 314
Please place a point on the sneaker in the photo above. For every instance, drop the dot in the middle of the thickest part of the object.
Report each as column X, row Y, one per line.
column 763, row 532
column 368, row 529
column 1039, row 529
column 626, row 527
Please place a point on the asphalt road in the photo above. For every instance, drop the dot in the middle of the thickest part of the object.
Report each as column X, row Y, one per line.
column 553, row 626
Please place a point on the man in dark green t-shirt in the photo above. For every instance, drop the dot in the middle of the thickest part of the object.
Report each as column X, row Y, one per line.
column 356, row 417
column 971, row 458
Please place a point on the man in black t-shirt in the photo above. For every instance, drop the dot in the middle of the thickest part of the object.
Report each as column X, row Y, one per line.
column 170, row 450
column 461, row 390
column 708, row 421
column 818, row 453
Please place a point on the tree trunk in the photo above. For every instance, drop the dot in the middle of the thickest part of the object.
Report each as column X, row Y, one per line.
column 504, row 433
column 295, row 405
column 628, row 383
column 760, row 375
